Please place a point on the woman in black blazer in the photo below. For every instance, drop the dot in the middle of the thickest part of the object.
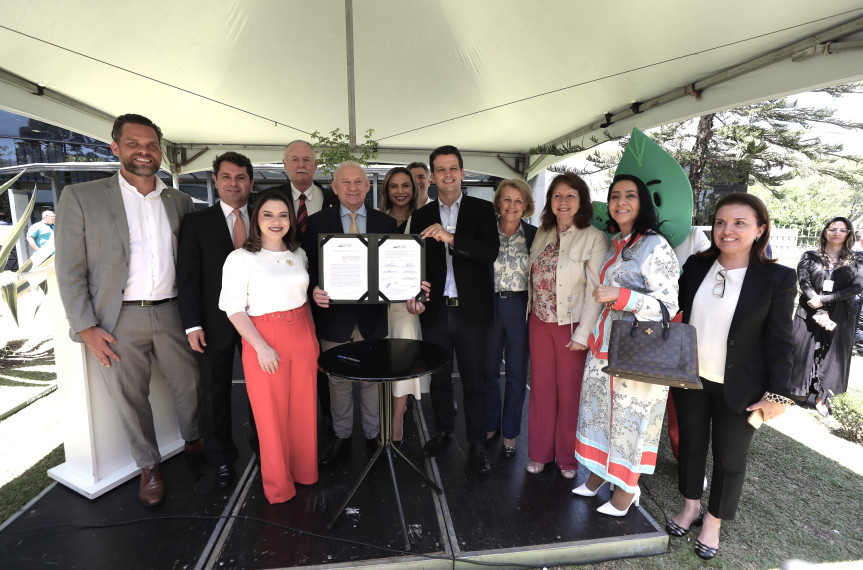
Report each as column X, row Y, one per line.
column 740, row 302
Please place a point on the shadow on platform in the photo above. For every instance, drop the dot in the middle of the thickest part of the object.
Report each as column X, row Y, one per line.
column 509, row 516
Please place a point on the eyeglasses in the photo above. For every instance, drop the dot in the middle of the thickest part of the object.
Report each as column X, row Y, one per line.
column 836, row 231
column 719, row 288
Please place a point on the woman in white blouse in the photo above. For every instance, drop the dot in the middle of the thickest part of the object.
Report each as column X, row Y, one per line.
column 264, row 293
column 740, row 302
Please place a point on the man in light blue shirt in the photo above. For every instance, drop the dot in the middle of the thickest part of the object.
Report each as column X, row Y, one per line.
column 40, row 232
column 340, row 323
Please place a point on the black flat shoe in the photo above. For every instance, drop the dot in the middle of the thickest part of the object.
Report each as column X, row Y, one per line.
column 705, row 552
column 508, row 452
column 675, row 529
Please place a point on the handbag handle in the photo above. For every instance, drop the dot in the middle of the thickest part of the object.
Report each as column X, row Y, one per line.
column 666, row 328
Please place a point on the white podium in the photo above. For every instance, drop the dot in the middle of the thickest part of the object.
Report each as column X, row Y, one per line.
column 97, row 455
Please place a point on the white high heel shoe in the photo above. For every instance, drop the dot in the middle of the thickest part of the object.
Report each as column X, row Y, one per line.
column 583, row 491
column 609, row 509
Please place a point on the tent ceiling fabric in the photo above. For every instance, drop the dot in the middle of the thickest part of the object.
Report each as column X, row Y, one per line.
column 255, row 74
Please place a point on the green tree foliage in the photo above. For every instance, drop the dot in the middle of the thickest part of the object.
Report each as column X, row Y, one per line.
column 767, row 145
column 808, row 203
column 335, row 148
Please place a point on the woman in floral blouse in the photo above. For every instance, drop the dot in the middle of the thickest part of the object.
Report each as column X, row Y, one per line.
column 564, row 268
column 512, row 202
column 620, row 420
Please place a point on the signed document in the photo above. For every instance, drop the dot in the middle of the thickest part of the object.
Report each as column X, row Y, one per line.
column 400, row 269
column 345, row 268
column 371, row 268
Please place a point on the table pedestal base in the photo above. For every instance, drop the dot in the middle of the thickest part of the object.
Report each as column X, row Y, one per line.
column 386, row 449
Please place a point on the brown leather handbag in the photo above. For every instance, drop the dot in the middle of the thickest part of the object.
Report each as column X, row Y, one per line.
column 654, row 352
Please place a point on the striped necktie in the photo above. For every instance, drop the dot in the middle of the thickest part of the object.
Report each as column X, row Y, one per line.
column 302, row 214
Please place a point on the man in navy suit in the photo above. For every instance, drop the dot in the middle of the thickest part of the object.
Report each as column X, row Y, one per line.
column 338, row 324
column 206, row 239
column 461, row 239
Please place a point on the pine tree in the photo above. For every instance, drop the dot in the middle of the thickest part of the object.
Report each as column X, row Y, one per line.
column 767, row 143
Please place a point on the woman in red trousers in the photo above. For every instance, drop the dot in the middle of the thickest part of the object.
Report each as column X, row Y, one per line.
column 564, row 263
column 264, row 293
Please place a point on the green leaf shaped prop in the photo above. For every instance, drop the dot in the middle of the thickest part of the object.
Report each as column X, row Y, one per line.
column 668, row 184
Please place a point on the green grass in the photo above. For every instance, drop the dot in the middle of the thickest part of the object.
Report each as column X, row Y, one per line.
column 18, row 492
column 796, row 504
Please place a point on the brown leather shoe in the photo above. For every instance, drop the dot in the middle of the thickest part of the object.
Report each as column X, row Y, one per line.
column 152, row 489
column 196, row 446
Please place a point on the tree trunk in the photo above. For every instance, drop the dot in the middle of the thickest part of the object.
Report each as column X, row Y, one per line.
column 701, row 150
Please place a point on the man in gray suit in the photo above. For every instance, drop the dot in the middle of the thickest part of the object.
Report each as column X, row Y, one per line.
column 116, row 242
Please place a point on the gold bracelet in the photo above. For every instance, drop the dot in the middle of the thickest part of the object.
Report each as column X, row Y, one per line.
column 777, row 399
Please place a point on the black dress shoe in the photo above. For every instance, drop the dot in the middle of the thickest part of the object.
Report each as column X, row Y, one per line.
column 436, row 443
column 224, row 476
column 479, row 459
column 372, row 443
column 335, row 450
column 509, row 452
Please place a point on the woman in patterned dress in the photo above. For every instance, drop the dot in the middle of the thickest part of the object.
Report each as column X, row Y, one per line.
column 830, row 279
column 620, row 420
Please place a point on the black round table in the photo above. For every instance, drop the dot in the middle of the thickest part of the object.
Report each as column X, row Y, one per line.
column 384, row 361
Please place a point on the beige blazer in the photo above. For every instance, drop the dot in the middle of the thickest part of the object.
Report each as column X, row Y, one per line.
column 582, row 253
column 92, row 244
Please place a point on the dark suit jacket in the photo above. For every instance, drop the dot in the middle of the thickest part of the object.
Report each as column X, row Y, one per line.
column 476, row 246
column 336, row 323
column 759, row 340
column 529, row 233
column 330, row 198
column 205, row 242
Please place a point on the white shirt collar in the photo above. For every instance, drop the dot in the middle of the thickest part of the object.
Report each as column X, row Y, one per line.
column 227, row 210
column 295, row 193
column 125, row 185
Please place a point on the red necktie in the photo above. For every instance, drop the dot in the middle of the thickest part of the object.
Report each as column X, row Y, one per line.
column 301, row 213
column 239, row 230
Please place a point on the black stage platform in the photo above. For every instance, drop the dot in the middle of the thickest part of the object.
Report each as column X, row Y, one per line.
column 509, row 517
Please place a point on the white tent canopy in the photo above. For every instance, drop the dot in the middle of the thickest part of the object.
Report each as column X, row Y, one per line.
column 493, row 77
